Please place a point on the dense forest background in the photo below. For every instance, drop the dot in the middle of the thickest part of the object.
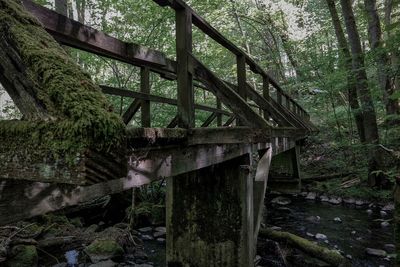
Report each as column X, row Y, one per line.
column 339, row 59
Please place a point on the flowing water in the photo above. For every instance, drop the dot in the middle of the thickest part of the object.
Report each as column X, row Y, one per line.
column 357, row 231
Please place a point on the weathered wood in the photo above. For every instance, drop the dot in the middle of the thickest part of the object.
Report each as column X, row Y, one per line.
column 145, row 88
column 154, row 98
column 241, row 80
column 266, row 95
column 219, row 116
column 131, row 111
column 230, row 120
column 211, row 210
column 186, row 112
column 259, row 190
column 229, row 97
column 75, row 34
column 149, row 165
column 174, row 122
column 13, row 77
column 228, row 135
column 209, row 120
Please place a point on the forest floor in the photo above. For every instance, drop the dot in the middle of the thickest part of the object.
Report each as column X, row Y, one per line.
column 338, row 169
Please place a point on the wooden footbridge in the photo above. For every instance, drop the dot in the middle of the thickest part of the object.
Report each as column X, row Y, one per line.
column 216, row 176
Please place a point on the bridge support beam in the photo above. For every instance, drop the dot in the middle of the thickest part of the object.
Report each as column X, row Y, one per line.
column 210, row 216
column 285, row 171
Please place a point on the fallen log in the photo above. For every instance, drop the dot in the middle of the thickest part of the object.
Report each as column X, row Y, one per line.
column 329, row 256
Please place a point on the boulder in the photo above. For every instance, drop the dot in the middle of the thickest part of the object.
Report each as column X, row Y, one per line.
column 388, row 207
column 311, row 196
column 337, row 219
column 376, row 252
column 385, row 224
column 383, row 213
column 321, row 237
column 281, row 201
column 335, row 200
column 102, row 250
column 161, row 229
column 145, row 229
column 324, row 198
column 22, row 256
column 390, row 248
column 158, row 234
column 349, row 200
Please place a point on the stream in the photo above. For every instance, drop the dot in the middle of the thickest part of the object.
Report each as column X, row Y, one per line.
column 357, row 230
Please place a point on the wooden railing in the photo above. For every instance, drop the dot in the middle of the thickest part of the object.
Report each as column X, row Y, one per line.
column 187, row 70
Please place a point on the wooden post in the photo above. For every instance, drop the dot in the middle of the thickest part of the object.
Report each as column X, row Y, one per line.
column 210, row 216
column 287, row 102
column 279, row 96
column 219, row 115
column 266, row 95
column 186, row 112
column 145, row 88
column 241, row 80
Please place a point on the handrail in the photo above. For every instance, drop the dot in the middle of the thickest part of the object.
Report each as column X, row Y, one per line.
column 209, row 30
column 75, row 34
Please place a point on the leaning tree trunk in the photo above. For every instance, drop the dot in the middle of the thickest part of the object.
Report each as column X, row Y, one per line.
column 346, row 59
column 367, row 103
column 46, row 84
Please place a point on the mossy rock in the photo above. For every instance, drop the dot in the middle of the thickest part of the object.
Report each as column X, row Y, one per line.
column 147, row 213
column 100, row 250
column 23, row 256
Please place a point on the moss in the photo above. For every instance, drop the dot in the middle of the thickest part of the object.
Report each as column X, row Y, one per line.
column 329, row 256
column 82, row 115
column 360, row 191
column 23, row 256
column 106, row 248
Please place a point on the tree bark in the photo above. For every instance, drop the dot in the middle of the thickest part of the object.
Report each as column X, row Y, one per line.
column 394, row 80
column 380, row 56
column 367, row 104
column 347, row 62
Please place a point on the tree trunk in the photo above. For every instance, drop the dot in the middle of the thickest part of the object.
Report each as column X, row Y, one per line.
column 367, row 104
column 394, row 80
column 380, row 56
column 346, row 59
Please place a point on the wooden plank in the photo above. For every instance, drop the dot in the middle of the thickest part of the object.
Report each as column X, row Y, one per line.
column 150, row 165
column 209, row 30
column 186, row 109
column 228, row 135
column 202, row 136
column 174, row 122
column 154, row 98
column 131, row 111
column 259, row 190
column 145, row 89
column 229, row 97
column 266, row 95
column 209, row 120
column 219, row 115
column 230, row 120
column 241, row 80
column 75, row 34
